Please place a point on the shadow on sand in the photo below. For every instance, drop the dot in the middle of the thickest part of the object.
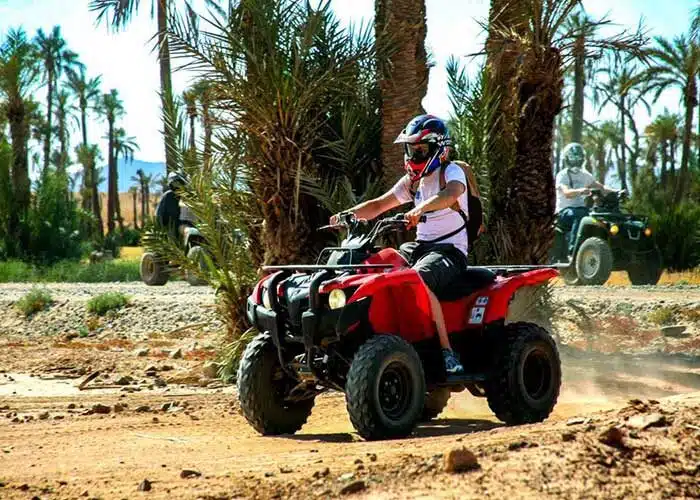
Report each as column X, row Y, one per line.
column 434, row 428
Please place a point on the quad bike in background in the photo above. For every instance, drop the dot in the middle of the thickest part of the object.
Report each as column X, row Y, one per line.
column 155, row 270
column 361, row 324
column 607, row 240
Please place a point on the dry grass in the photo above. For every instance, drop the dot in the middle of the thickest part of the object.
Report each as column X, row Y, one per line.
column 130, row 253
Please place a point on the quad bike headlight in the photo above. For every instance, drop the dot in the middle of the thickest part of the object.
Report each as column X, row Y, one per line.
column 647, row 232
column 336, row 299
column 266, row 299
column 614, row 229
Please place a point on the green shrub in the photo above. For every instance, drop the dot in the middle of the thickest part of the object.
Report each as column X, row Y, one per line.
column 69, row 272
column 36, row 300
column 661, row 316
column 105, row 302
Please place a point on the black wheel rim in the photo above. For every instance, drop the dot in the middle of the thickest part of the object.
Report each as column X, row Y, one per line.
column 395, row 391
column 536, row 378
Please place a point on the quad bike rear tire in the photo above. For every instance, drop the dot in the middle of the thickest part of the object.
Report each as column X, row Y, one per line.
column 196, row 254
column 435, row 402
column 154, row 271
column 527, row 376
column 646, row 273
column 385, row 388
column 262, row 387
column 594, row 261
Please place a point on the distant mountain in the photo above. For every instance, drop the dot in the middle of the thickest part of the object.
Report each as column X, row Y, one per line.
column 128, row 170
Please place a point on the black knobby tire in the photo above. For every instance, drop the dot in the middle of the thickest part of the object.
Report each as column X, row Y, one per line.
column 435, row 402
column 646, row 273
column 153, row 270
column 196, row 255
column 526, row 379
column 594, row 261
column 385, row 388
column 262, row 387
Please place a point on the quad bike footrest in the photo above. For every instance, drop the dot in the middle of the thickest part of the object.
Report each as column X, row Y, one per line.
column 466, row 378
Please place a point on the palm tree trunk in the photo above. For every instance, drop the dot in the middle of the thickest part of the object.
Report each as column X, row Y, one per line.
column 690, row 101
column 47, row 133
column 622, row 164
column 19, row 131
column 166, row 86
column 207, row 124
column 404, row 81
column 144, row 201
column 600, row 161
column 664, row 164
column 579, row 85
column 111, row 179
column 134, row 195
column 117, row 203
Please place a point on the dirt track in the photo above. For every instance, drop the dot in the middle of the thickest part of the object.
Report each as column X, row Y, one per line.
column 50, row 449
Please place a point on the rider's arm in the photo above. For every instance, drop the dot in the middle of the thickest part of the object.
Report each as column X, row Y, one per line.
column 572, row 193
column 374, row 208
column 444, row 199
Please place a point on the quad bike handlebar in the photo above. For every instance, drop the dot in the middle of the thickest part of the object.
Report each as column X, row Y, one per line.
column 350, row 222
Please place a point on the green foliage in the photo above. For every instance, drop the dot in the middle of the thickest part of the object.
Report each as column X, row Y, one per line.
column 230, row 355
column 36, row 300
column 14, row 271
column 676, row 227
column 105, row 302
column 53, row 220
column 661, row 316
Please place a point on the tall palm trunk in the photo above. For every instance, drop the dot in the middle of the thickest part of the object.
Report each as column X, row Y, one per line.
column 622, row 164
column 49, row 107
column 403, row 82
column 664, row 164
column 579, row 84
column 19, row 131
column 117, row 203
column 207, row 125
column 690, row 99
column 111, row 179
column 134, row 195
column 166, row 86
column 144, row 203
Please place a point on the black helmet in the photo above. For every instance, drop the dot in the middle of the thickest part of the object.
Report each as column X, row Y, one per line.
column 176, row 181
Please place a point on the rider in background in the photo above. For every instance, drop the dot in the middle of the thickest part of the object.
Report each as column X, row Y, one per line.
column 168, row 210
column 440, row 253
column 573, row 184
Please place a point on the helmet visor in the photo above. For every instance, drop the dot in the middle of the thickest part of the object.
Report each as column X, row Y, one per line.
column 418, row 152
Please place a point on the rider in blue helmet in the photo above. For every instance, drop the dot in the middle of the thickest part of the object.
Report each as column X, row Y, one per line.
column 439, row 254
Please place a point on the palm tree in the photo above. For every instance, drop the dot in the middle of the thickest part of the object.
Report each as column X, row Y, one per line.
column 119, row 13
column 87, row 91
column 111, row 108
column 125, row 146
column 400, row 28
column 624, row 88
column 662, row 135
column 583, row 29
column 676, row 64
column 19, row 72
column 134, row 191
column 88, row 156
column 55, row 58
column 63, row 115
column 144, row 184
column 203, row 93
column 600, row 141
column 189, row 97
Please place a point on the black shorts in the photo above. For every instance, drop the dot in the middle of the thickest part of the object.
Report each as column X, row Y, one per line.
column 437, row 264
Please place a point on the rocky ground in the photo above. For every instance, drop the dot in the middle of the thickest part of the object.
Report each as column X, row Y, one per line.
column 132, row 403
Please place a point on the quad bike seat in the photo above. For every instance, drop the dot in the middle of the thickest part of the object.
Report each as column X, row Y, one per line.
column 467, row 283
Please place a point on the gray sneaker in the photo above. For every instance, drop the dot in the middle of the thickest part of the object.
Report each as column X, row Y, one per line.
column 452, row 364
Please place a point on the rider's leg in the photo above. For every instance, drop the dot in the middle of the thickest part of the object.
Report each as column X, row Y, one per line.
column 437, row 270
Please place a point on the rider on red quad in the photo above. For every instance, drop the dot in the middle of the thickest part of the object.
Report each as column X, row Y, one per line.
column 440, row 252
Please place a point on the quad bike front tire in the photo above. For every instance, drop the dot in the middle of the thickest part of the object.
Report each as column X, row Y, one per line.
column 262, row 388
column 646, row 273
column 385, row 388
column 594, row 261
column 196, row 255
column 154, row 271
column 527, row 375
column 435, row 402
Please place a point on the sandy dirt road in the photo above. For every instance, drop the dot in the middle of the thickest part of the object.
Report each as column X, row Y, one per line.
column 55, row 443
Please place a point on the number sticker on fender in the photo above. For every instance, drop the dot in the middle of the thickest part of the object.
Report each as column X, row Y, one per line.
column 477, row 316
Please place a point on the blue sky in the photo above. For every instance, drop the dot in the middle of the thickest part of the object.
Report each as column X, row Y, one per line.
column 126, row 62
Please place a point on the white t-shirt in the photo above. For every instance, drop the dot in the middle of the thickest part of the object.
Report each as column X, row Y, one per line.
column 572, row 180
column 443, row 221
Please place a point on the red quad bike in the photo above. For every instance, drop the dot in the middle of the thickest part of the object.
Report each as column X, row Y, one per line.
column 361, row 324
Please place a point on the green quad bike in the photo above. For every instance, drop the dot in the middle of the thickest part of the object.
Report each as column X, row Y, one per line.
column 156, row 270
column 607, row 240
